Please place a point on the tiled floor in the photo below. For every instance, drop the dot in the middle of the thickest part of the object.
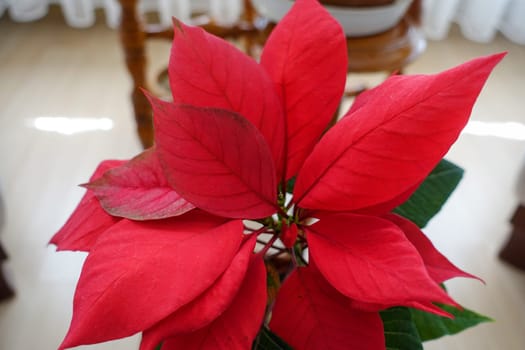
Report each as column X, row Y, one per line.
column 50, row 70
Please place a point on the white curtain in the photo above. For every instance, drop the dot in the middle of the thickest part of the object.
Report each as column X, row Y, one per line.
column 479, row 20
column 81, row 13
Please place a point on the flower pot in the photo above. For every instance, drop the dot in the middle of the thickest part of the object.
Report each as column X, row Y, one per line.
column 357, row 3
column 356, row 20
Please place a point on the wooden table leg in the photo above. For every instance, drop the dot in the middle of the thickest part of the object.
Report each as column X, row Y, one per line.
column 133, row 39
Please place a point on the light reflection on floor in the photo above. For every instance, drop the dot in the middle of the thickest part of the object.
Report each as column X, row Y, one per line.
column 505, row 130
column 70, row 125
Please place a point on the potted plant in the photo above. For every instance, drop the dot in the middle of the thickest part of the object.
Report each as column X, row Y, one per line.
column 248, row 226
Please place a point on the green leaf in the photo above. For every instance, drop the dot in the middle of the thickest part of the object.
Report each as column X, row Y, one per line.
column 400, row 332
column 159, row 347
column 290, row 185
column 267, row 340
column 431, row 194
column 432, row 326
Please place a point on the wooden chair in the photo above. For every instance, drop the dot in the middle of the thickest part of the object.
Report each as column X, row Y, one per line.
column 390, row 51
column 133, row 35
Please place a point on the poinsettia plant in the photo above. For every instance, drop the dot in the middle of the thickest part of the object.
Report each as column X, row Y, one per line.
column 248, row 224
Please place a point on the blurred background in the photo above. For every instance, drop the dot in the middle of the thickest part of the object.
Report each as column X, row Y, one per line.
column 65, row 105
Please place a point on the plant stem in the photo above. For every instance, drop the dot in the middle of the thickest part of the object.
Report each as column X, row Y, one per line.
column 269, row 245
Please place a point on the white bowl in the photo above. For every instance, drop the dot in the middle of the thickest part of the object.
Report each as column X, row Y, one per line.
column 356, row 21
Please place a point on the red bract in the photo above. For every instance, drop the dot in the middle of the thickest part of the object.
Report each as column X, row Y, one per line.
column 238, row 325
column 149, row 262
column 139, row 190
column 356, row 247
column 322, row 318
column 89, row 220
column 219, row 78
column 180, row 265
column 216, row 159
column 307, row 60
column 207, row 307
column 407, row 124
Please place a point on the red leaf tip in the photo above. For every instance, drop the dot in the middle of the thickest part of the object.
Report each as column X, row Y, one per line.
column 178, row 26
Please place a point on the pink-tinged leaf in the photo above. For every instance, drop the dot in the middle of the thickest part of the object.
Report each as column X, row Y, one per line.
column 309, row 314
column 370, row 260
column 390, row 144
column 138, row 190
column 206, row 71
column 238, row 326
column 216, row 160
column 139, row 273
column 207, row 307
column 438, row 266
column 88, row 221
column 307, row 59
